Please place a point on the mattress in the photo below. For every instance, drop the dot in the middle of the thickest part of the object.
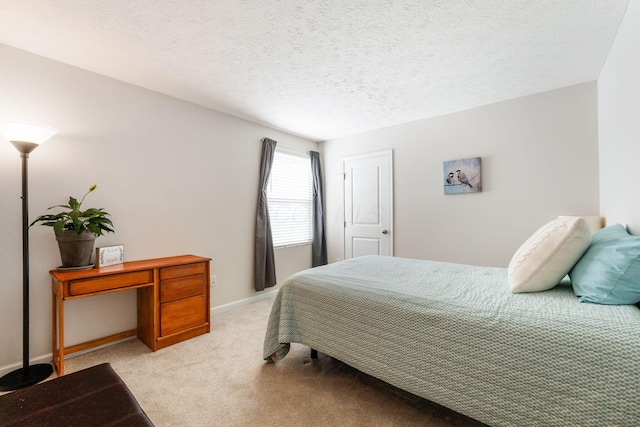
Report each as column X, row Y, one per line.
column 455, row 335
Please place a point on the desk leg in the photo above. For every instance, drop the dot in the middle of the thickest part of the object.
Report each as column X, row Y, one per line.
column 54, row 327
column 61, row 335
column 58, row 328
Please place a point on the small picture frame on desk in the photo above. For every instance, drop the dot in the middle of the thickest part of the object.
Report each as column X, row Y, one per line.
column 109, row 255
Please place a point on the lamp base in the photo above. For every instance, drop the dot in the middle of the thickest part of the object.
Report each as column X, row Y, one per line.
column 24, row 377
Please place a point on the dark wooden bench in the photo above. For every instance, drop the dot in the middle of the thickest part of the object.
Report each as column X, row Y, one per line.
column 95, row 396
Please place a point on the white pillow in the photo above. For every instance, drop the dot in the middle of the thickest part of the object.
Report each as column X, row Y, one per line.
column 547, row 256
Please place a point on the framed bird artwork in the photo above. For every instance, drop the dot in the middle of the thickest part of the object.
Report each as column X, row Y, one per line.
column 462, row 176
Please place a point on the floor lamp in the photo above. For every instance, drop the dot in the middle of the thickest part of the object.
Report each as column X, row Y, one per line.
column 25, row 137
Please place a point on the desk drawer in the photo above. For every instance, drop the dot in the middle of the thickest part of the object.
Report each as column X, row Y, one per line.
column 182, row 287
column 182, row 270
column 182, row 314
column 113, row 281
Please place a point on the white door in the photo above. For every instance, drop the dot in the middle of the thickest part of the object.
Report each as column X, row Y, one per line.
column 368, row 205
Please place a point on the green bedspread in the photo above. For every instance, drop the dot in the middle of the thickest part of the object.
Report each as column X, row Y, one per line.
column 455, row 335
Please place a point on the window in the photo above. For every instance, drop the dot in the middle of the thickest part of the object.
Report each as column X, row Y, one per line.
column 290, row 197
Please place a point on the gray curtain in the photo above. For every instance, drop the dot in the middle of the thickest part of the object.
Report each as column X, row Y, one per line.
column 265, row 267
column 319, row 243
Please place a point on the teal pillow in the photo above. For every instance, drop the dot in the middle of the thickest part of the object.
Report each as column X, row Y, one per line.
column 609, row 272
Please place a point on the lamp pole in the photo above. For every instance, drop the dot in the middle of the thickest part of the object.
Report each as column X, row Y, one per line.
column 28, row 374
column 25, row 260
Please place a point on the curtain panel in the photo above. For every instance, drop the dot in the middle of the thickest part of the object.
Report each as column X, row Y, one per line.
column 265, row 267
column 319, row 242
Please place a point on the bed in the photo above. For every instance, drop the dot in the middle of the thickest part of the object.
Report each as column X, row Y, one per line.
column 455, row 335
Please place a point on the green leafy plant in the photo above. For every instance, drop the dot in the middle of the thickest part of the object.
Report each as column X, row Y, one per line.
column 94, row 220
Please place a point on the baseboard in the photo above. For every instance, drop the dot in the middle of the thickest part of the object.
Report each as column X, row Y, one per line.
column 46, row 358
column 246, row 301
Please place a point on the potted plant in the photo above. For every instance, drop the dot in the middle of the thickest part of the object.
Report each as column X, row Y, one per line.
column 76, row 230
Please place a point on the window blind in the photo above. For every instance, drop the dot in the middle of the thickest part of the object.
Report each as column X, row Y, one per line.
column 290, row 195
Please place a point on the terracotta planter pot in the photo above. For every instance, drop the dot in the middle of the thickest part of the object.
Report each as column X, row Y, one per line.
column 76, row 249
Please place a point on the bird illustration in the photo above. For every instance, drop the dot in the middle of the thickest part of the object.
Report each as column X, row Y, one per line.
column 450, row 178
column 463, row 178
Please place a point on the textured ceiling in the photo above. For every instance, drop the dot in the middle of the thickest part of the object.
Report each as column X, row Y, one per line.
column 326, row 68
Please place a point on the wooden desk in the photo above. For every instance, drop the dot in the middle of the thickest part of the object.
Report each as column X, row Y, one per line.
column 172, row 300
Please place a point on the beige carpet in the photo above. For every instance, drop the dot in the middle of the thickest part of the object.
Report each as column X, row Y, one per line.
column 220, row 379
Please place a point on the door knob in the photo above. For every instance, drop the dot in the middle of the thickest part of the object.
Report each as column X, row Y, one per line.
column 385, row 231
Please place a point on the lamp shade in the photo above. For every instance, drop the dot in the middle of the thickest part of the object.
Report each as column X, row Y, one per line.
column 26, row 132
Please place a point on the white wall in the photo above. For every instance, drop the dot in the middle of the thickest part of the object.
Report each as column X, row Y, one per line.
column 539, row 160
column 619, row 125
column 177, row 179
